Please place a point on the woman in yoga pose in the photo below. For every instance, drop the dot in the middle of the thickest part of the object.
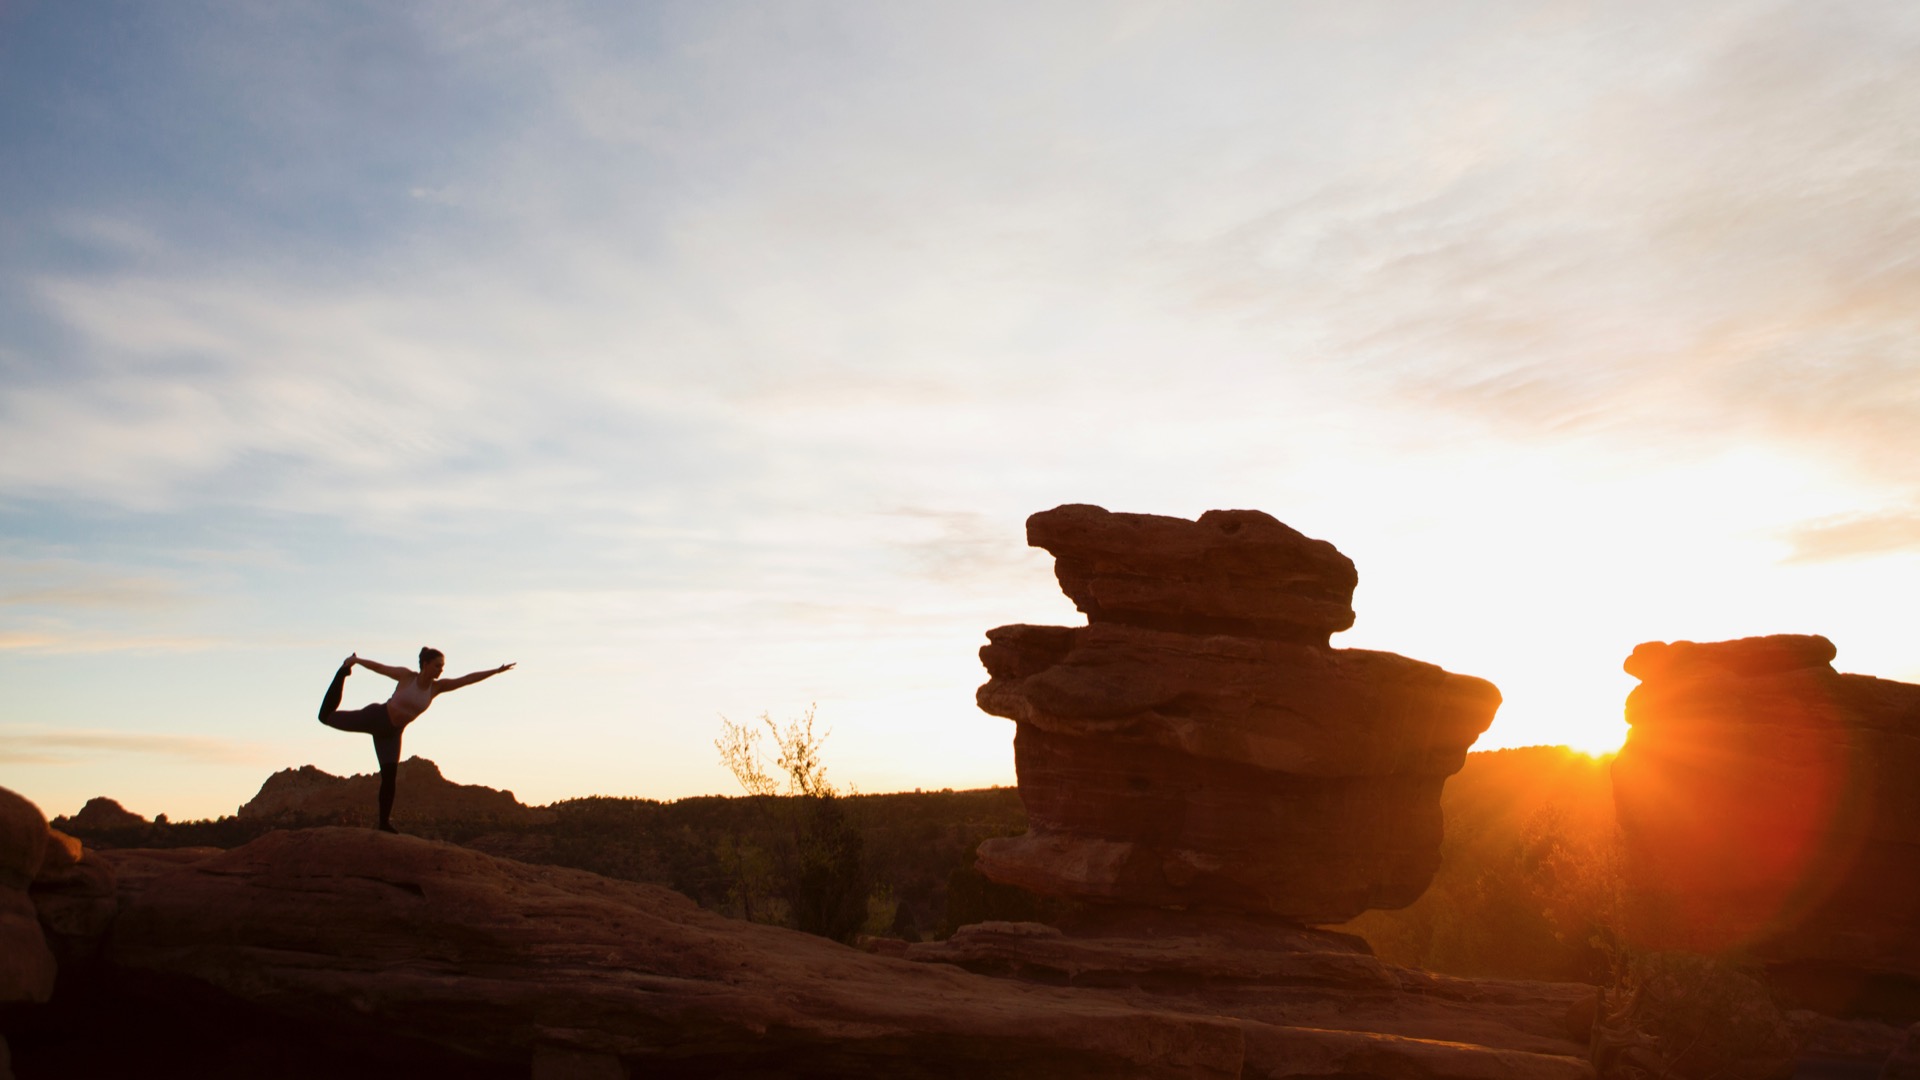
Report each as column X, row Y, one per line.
column 386, row 720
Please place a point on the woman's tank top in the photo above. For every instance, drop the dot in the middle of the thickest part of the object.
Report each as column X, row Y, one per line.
column 409, row 700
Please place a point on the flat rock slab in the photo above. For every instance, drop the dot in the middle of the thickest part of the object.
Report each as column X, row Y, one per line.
column 350, row 931
column 494, row 959
column 1317, row 1003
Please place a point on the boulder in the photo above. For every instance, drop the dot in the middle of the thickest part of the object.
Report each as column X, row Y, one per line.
column 1235, row 572
column 76, row 904
column 1767, row 803
column 26, row 963
column 23, row 840
column 62, row 852
column 421, row 793
column 104, row 813
column 1223, row 758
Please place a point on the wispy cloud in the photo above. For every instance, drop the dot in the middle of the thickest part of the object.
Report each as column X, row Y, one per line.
column 1859, row 536
column 74, row 747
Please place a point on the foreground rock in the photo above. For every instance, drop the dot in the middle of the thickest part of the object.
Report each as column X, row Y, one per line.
column 421, row 794
column 1198, row 745
column 26, row 963
column 1768, row 803
column 354, row 932
column 495, row 960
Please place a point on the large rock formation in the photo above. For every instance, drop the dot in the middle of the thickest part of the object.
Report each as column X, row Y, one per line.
column 421, row 793
column 1198, row 744
column 1768, row 802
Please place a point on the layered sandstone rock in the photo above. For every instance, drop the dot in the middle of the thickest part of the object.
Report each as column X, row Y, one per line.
column 421, row 794
column 1199, row 745
column 1768, row 802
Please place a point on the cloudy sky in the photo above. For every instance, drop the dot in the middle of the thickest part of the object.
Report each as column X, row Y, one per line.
column 706, row 359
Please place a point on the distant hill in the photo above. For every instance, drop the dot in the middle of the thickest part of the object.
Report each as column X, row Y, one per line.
column 422, row 795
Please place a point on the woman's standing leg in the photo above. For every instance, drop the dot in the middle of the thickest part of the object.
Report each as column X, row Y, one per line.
column 386, row 747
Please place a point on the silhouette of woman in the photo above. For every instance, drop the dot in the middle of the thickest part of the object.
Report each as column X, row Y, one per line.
column 386, row 720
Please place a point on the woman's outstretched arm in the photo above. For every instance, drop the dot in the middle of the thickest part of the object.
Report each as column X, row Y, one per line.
column 391, row 672
column 444, row 685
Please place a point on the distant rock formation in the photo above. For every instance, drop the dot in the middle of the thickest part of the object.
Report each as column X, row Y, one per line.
column 1198, row 744
column 104, row 813
column 421, row 794
column 1769, row 803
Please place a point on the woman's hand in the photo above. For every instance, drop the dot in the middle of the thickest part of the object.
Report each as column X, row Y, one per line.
column 503, row 667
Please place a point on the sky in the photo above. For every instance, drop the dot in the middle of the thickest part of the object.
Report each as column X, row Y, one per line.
column 706, row 359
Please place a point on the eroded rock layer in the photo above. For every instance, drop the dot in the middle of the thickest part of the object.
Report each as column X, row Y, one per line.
column 1767, row 802
column 1199, row 745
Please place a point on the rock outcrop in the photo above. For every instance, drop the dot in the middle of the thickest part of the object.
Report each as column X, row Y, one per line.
column 421, row 794
column 1768, row 802
column 1199, row 745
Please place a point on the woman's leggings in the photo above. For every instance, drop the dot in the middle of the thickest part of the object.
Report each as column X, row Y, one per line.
column 371, row 720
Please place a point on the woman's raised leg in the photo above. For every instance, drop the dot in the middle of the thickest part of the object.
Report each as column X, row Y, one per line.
column 331, row 703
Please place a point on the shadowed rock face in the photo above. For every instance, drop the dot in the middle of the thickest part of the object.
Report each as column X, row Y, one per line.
column 1768, row 802
column 1198, row 744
